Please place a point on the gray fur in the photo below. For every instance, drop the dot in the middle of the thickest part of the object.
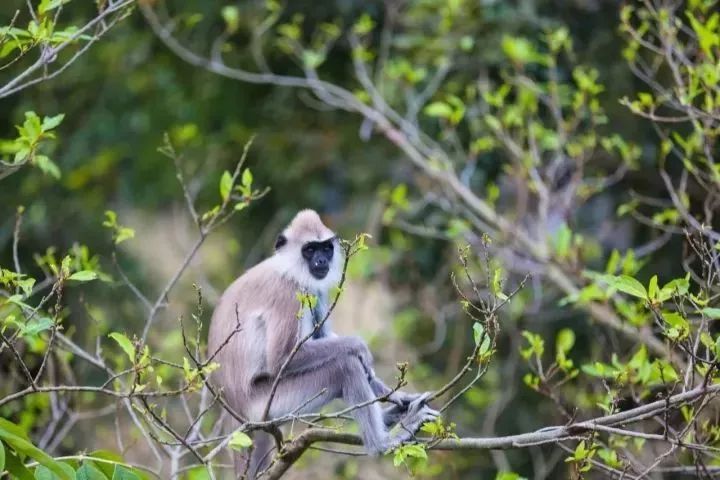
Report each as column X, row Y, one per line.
column 264, row 299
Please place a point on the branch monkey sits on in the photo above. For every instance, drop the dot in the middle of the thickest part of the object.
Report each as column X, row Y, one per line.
column 308, row 258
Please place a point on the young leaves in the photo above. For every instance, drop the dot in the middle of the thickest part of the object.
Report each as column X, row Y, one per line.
column 125, row 343
column 120, row 232
column 240, row 441
column 482, row 340
column 83, row 276
column 225, row 185
column 14, row 437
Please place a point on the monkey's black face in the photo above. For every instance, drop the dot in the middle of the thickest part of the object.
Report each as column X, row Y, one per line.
column 319, row 257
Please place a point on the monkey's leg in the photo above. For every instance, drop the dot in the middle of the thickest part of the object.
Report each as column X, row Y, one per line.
column 259, row 457
column 321, row 355
column 339, row 376
column 320, row 351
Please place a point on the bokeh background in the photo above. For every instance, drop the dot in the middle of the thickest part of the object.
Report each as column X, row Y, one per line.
column 129, row 89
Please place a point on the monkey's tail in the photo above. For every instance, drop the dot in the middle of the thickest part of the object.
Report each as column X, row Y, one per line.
column 259, row 456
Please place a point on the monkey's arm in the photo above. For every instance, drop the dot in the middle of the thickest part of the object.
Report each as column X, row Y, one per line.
column 279, row 343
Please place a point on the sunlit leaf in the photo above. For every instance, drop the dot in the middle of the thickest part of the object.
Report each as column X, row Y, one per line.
column 225, row 185
column 125, row 343
column 626, row 284
column 51, row 122
column 565, row 340
column 240, row 441
column 83, row 276
column 23, row 446
column 231, row 15
column 712, row 313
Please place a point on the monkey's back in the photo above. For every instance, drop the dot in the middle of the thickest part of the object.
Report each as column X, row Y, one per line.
column 263, row 304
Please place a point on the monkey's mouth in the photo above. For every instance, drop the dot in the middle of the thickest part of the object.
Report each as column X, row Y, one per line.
column 320, row 271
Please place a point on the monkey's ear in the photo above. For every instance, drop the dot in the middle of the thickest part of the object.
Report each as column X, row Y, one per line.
column 281, row 240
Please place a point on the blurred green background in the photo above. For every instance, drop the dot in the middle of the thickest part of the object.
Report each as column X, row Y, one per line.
column 128, row 90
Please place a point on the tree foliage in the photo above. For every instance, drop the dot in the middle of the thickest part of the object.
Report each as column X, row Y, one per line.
column 540, row 186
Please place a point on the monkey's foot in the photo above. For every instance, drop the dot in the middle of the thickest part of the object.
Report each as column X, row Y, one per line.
column 417, row 414
column 402, row 402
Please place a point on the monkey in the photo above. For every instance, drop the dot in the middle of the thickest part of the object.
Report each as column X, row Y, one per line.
column 307, row 258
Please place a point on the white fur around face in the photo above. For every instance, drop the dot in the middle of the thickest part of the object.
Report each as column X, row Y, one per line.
column 289, row 262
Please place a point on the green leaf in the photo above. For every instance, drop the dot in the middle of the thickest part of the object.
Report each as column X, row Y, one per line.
column 680, row 328
column 240, row 441
column 562, row 241
column 16, row 468
column 25, row 447
column 231, row 15
column 496, row 284
column 31, row 126
column 35, row 326
column 14, row 429
column 521, row 50
column 565, row 340
column 712, row 313
column 627, row 284
column 364, row 25
column 508, row 476
column 480, row 335
column 43, row 473
column 639, row 359
column 83, row 276
column 110, row 219
column 51, row 122
column 653, row 287
column 123, row 233
column 2, row 457
column 47, row 166
column 88, row 472
column 678, row 286
column 438, row 109
column 48, row 5
column 122, row 473
column 105, row 467
column 21, row 155
column 312, row 59
column 247, row 178
column 225, row 185
column 415, row 450
column 610, row 457
column 125, row 344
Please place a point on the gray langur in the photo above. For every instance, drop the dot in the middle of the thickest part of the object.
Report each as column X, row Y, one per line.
column 308, row 258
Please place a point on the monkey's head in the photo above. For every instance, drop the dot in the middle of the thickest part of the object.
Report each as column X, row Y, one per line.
column 310, row 251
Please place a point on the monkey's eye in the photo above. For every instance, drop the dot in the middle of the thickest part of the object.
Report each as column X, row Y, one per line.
column 308, row 251
column 328, row 247
column 281, row 240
